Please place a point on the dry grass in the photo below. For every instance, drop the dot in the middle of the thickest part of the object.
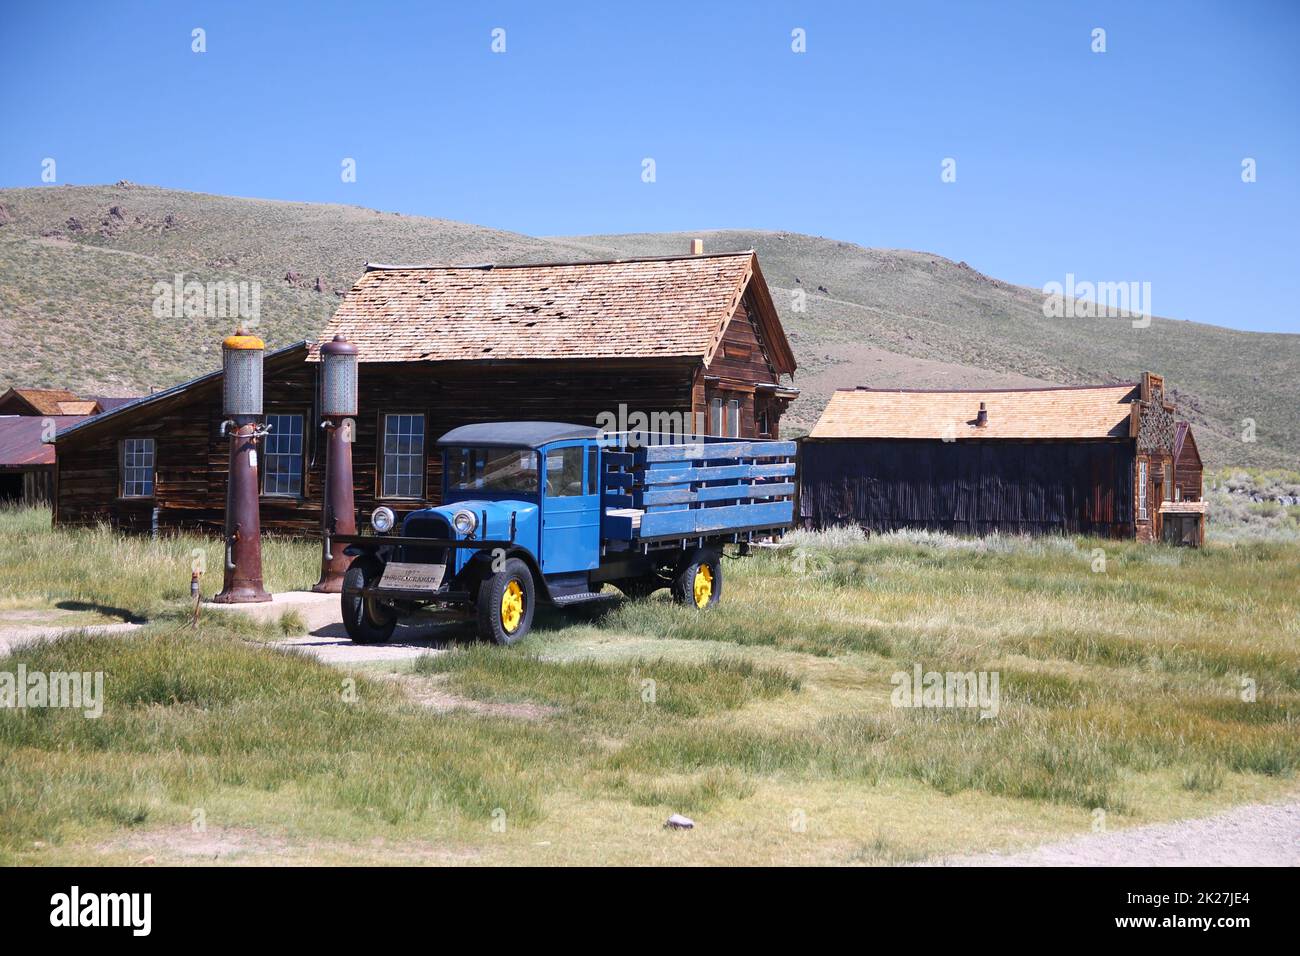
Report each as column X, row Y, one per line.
column 768, row 719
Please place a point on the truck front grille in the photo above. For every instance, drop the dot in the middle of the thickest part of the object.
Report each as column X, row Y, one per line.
column 432, row 526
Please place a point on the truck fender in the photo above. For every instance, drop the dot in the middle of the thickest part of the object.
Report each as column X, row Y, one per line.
column 481, row 566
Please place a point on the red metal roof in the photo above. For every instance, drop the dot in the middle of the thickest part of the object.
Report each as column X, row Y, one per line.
column 20, row 439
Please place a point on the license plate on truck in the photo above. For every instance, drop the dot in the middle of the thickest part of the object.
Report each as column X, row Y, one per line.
column 412, row 577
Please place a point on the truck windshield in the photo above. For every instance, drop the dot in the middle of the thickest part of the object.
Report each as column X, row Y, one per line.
column 492, row 469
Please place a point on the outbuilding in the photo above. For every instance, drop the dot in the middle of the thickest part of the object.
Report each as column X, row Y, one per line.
column 29, row 420
column 1099, row 459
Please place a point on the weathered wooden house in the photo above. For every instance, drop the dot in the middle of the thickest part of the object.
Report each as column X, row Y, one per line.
column 1093, row 460
column 695, row 337
column 29, row 419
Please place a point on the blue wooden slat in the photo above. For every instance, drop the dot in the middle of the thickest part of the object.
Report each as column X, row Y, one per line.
column 679, row 473
column 619, row 501
column 703, row 520
column 726, row 449
column 615, row 479
column 618, row 459
column 616, row 527
column 667, row 496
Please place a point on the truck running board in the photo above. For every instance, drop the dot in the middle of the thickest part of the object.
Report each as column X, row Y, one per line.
column 584, row 597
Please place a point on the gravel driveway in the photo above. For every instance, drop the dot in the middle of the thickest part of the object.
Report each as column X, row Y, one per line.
column 1251, row 835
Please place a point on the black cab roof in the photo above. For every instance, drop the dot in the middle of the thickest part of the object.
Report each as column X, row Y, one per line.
column 515, row 434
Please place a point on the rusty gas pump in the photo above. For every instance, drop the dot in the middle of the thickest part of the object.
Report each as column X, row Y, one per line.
column 241, row 401
column 338, row 412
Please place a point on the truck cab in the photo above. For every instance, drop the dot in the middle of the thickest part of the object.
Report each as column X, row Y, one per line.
column 552, row 512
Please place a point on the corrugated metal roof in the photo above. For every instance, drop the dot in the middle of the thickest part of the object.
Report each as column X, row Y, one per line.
column 633, row 308
column 20, row 438
column 1100, row 411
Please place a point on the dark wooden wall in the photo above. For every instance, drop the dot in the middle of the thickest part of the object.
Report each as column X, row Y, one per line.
column 1188, row 471
column 969, row 487
column 192, row 455
column 32, row 485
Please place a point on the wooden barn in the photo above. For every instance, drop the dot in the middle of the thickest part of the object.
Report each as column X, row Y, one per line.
column 693, row 336
column 1107, row 460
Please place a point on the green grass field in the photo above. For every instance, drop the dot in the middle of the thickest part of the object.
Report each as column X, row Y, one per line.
column 768, row 720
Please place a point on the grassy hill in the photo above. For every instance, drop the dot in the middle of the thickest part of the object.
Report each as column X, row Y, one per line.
column 78, row 266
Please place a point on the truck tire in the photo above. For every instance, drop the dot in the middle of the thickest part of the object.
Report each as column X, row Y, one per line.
column 366, row 620
column 699, row 583
column 505, row 603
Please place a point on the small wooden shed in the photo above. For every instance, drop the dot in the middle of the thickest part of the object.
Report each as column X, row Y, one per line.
column 1080, row 459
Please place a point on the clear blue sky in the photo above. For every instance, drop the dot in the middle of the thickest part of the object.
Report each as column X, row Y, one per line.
column 1122, row 166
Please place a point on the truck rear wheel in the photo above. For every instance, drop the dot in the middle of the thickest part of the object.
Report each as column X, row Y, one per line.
column 699, row 583
column 505, row 603
column 366, row 619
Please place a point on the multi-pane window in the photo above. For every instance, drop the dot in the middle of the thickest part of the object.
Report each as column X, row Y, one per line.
column 1142, row 490
column 715, row 416
column 761, row 424
column 733, row 418
column 403, row 475
column 282, row 468
column 137, row 467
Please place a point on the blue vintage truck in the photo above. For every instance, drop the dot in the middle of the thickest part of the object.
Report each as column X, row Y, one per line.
column 546, row 511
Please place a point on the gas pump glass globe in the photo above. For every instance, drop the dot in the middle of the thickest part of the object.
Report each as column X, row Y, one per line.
column 339, row 377
column 241, row 362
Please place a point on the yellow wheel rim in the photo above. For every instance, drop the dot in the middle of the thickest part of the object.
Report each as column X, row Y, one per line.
column 512, row 607
column 703, row 585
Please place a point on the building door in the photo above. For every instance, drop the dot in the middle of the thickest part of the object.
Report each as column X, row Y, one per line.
column 570, row 509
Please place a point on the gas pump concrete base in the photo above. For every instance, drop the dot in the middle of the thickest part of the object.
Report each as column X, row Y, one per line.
column 317, row 610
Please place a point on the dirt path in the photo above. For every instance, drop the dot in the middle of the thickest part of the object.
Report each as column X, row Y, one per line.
column 1252, row 835
column 332, row 645
column 11, row 637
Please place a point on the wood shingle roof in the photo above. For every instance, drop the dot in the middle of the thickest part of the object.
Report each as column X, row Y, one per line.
column 665, row 307
column 1100, row 411
column 42, row 401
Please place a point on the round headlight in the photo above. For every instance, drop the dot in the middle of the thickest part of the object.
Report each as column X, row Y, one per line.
column 382, row 520
column 464, row 522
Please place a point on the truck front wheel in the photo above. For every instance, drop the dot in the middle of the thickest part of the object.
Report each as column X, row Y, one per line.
column 366, row 619
column 699, row 583
column 505, row 603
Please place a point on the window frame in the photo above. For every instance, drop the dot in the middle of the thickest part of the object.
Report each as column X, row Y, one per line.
column 1143, row 481
column 381, row 456
column 122, row 480
column 733, row 418
column 301, row 493
column 580, row 453
column 593, row 470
